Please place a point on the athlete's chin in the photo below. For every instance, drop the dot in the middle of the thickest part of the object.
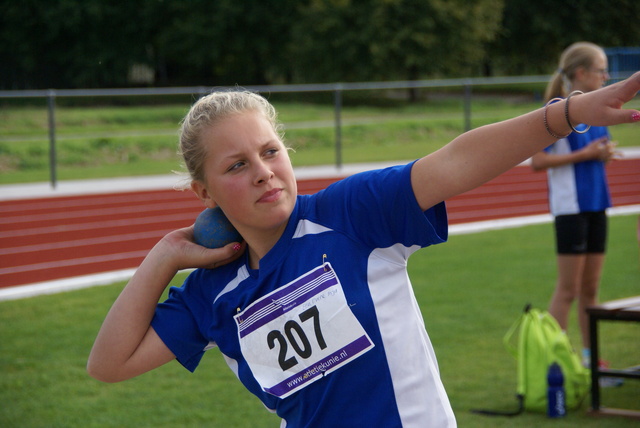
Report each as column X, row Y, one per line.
column 276, row 212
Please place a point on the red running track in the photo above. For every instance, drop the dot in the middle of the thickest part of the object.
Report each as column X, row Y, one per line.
column 62, row 237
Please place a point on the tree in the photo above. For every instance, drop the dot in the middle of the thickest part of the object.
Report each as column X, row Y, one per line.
column 535, row 33
column 392, row 39
column 226, row 42
column 417, row 38
column 69, row 43
column 95, row 43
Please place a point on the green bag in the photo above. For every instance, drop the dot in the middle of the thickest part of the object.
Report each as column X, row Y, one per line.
column 541, row 342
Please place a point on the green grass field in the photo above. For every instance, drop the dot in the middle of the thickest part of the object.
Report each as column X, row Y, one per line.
column 99, row 142
column 470, row 290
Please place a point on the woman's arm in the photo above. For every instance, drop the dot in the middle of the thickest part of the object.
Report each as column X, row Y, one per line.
column 481, row 154
column 126, row 345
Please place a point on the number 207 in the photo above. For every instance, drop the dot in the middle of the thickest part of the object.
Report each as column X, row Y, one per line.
column 295, row 336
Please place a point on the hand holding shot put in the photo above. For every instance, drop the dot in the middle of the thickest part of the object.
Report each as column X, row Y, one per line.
column 317, row 298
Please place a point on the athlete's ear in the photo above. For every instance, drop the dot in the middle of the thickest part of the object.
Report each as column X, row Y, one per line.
column 580, row 73
column 202, row 192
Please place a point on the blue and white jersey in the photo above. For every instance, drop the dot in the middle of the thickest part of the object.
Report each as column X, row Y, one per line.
column 327, row 333
column 578, row 187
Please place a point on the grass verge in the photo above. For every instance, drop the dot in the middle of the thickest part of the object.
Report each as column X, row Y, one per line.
column 99, row 142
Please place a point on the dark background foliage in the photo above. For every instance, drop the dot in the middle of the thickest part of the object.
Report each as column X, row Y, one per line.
column 118, row 43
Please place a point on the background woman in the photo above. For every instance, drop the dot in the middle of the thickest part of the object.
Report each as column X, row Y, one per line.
column 578, row 190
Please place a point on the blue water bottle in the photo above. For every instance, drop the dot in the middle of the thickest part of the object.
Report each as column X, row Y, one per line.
column 555, row 392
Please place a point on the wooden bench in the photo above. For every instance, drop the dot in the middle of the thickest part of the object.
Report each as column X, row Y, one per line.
column 616, row 310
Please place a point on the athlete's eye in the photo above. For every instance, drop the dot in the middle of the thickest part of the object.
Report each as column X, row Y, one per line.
column 236, row 166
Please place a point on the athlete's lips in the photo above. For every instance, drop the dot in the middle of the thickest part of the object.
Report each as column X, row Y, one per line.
column 270, row 196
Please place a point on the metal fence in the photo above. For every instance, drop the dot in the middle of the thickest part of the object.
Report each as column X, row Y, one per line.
column 466, row 84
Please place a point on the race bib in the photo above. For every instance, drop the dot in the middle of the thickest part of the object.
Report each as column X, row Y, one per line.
column 300, row 332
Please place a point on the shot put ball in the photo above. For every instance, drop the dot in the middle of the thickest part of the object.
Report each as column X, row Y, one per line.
column 213, row 230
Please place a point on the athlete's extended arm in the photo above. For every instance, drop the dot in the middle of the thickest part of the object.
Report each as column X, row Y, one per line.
column 126, row 345
column 481, row 154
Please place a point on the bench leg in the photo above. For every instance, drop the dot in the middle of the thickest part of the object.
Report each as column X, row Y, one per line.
column 595, row 357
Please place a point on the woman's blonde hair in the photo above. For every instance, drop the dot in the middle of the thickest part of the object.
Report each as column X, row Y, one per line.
column 206, row 112
column 580, row 54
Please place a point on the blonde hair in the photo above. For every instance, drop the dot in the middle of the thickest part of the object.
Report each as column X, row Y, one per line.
column 209, row 110
column 580, row 54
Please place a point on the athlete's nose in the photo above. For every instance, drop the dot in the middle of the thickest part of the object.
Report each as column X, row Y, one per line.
column 263, row 172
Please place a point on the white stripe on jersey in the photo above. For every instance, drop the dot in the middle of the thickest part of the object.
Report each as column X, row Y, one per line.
column 418, row 389
column 563, row 194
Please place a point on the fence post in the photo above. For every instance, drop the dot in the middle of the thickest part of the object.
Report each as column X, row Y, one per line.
column 467, row 107
column 51, row 104
column 337, row 98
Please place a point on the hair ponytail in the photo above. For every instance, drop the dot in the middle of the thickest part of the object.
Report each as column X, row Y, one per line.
column 555, row 87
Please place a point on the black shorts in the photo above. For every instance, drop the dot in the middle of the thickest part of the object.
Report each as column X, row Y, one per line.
column 581, row 233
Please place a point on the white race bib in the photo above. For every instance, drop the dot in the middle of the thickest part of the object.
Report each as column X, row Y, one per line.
column 300, row 332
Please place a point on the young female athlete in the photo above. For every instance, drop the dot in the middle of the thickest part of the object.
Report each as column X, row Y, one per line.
column 578, row 191
column 314, row 312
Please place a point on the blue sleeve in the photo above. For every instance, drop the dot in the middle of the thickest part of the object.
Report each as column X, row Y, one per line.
column 174, row 321
column 380, row 208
